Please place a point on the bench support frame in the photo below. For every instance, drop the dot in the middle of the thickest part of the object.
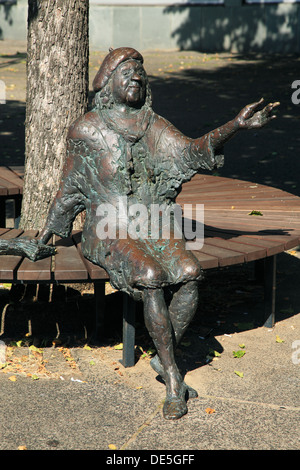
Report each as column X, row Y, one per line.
column 270, row 290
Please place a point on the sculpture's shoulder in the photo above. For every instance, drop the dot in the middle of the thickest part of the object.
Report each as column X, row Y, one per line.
column 159, row 123
column 164, row 129
column 85, row 127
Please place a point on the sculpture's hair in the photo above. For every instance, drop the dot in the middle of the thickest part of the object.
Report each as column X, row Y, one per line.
column 104, row 97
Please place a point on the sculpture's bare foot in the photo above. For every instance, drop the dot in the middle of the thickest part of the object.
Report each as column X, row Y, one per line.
column 175, row 405
column 157, row 367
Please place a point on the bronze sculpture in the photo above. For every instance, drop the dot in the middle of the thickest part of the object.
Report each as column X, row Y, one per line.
column 123, row 149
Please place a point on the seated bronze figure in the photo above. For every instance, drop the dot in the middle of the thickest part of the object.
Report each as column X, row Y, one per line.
column 122, row 150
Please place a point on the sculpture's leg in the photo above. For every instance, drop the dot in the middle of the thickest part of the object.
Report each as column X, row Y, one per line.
column 183, row 307
column 160, row 329
column 181, row 310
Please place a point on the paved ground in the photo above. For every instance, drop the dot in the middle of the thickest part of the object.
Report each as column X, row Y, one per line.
column 62, row 391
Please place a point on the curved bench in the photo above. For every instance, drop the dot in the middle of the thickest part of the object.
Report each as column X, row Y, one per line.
column 231, row 236
column 244, row 221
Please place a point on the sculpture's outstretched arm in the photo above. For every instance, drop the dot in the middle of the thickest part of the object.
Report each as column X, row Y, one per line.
column 248, row 118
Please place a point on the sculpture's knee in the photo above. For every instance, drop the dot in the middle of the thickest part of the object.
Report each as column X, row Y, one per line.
column 191, row 270
column 150, row 275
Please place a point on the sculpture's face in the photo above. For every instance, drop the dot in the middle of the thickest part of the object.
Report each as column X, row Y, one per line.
column 129, row 84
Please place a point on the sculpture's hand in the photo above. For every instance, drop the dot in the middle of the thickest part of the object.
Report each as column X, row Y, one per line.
column 34, row 249
column 249, row 118
column 29, row 247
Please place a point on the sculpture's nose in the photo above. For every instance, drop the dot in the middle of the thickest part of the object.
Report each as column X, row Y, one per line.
column 136, row 77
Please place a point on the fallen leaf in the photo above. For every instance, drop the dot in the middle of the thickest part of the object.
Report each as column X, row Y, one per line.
column 119, row 346
column 5, row 286
column 238, row 353
column 112, row 447
column 35, row 349
column 12, row 378
column 214, row 353
column 240, row 374
column 210, row 411
column 88, row 348
column 279, row 340
column 22, row 448
column 34, row 377
column 255, row 213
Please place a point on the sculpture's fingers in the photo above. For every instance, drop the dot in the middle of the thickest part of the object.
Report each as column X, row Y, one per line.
column 269, row 108
column 250, row 108
column 255, row 105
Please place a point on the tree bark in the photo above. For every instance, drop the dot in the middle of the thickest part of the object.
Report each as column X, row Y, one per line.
column 57, row 94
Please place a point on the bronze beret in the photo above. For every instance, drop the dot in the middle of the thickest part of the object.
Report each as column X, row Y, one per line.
column 111, row 62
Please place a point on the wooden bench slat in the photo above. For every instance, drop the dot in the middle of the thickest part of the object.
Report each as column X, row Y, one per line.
column 276, row 242
column 95, row 271
column 19, row 170
column 240, row 213
column 206, row 183
column 235, row 194
column 3, row 231
column 11, row 188
column 273, row 206
column 272, row 247
column 35, row 270
column 10, row 263
column 253, row 229
column 250, row 252
column 11, row 177
column 212, row 190
column 68, row 262
column 225, row 257
column 290, row 216
column 11, row 233
column 207, row 261
column 253, row 223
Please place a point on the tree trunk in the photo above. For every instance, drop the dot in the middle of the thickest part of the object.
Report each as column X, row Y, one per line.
column 57, row 94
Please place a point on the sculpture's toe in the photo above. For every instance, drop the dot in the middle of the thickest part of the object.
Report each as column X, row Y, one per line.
column 174, row 407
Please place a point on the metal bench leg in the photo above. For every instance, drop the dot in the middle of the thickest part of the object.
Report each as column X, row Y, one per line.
column 18, row 206
column 129, row 308
column 270, row 290
column 99, row 293
column 2, row 212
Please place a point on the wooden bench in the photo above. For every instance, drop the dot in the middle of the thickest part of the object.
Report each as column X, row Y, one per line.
column 232, row 236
